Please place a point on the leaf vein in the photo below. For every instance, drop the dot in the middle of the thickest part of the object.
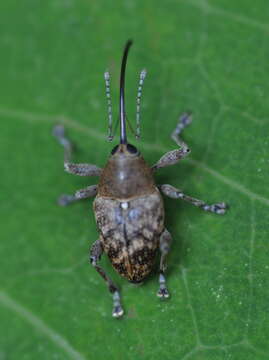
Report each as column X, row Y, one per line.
column 39, row 324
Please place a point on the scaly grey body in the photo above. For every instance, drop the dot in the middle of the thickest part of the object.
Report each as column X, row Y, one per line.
column 130, row 232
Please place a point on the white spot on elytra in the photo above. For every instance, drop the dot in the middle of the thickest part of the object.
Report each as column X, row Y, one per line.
column 121, row 175
column 124, row 205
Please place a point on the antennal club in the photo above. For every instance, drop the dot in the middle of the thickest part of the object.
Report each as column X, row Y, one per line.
column 109, row 105
column 138, row 101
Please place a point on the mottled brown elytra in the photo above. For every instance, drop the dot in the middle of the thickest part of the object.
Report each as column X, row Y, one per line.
column 128, row 205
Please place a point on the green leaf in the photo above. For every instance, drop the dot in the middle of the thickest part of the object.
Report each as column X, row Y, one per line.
column 210, row 57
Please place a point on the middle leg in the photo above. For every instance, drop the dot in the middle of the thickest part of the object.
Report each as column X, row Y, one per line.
column 174, row 193
column 89, row 191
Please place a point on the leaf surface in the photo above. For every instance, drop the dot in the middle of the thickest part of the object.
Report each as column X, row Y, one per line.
column 210, row 57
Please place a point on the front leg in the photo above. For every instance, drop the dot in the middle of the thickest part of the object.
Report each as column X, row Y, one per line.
column 172, row 157
column 89, row 191
column 71, row 168
column 174, row 193
column 96, row 252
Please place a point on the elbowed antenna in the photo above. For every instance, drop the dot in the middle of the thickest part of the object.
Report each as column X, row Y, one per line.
column 109, row 105
column 138, row 102
column 123, row 135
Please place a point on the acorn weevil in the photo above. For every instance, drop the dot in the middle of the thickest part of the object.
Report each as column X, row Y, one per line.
column 128, row 205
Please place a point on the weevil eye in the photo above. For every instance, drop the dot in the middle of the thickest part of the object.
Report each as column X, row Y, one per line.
column 132, row 149
column 114, row 149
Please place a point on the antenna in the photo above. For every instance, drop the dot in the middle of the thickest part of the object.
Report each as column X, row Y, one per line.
column 109, row 105
column 123, row 135
column 138, row 101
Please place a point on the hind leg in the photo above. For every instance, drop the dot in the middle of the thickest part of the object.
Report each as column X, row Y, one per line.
column 95, row 256
column 165, row 244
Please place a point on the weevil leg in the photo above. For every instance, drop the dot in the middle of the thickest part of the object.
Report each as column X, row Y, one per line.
column 184, row 120
column 165, row 243
column 76, row 169
column 174, row 193
column 96, row 252
column 172, row 157
column 88, row 192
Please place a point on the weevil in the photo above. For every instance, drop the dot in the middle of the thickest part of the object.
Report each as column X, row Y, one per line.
column 128, row 205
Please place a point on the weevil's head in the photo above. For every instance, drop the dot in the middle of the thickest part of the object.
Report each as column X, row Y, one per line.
column 126, row 173
column 124, row 148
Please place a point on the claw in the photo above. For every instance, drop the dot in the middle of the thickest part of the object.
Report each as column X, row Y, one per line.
column 220, row 208
column 117, row 308
column 65, row 200
column 163, row 293
column 117, row 311
column 185, row 119
column 58, row 131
